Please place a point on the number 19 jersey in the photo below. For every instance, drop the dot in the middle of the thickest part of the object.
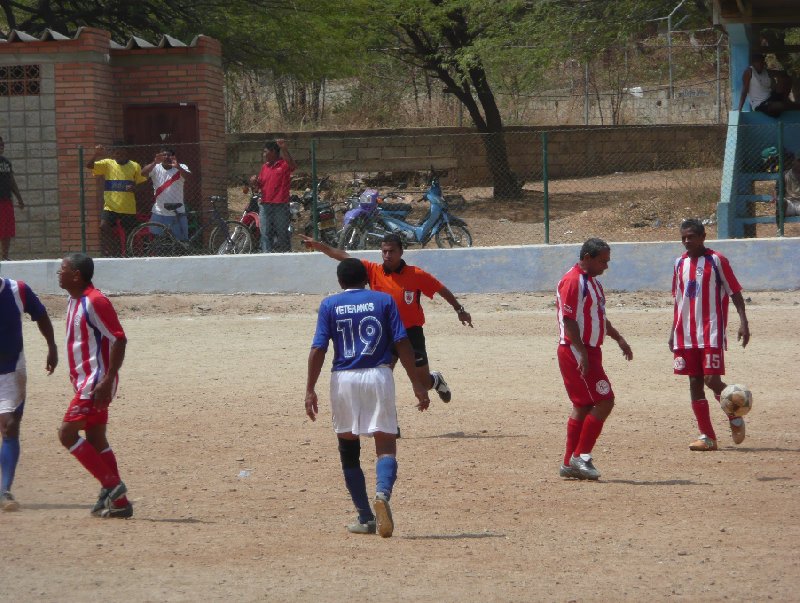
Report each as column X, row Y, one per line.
column 363, row 325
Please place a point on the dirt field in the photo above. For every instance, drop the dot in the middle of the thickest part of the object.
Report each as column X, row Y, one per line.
column 239, row 497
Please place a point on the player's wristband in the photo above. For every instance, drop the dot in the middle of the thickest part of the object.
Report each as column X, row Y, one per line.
column 460, row 310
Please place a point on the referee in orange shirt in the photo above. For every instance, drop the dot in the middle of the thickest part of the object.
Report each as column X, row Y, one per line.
column 406, row 284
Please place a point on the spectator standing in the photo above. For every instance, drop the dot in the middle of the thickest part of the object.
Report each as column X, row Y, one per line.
column 95, row 351
column 702, row 283
column 273, row 181
column 169, row 207
column 583, row 324
column 8, row 185
column 16, row 299
column 120, row 176
column 364, row 326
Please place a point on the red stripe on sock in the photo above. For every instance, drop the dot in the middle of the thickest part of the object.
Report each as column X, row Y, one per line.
column 94, row 464
column 573, row 435
column 701, row 413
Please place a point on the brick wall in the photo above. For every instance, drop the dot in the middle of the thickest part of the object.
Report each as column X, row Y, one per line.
column 85, row 85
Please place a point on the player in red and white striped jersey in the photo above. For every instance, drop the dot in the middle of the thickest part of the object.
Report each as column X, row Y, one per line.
column 702, row 284
column 95, row 351
column 583, row 324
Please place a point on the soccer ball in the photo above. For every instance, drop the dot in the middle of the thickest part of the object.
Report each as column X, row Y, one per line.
column 736, row 400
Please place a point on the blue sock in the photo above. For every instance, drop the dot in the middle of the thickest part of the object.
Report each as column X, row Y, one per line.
column 9, row 455
column 385, row 474
column 357, row 486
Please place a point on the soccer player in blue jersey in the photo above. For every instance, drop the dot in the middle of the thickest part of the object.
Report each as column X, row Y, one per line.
column 363, row 325
column 16, row 299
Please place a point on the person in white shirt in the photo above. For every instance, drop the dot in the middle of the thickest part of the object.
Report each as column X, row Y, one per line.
column 757, row 84
column 167, row 176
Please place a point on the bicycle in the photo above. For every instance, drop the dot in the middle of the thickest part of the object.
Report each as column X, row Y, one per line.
column 153, row 239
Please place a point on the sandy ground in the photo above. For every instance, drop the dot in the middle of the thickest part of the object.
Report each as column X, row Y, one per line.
column 239, row 497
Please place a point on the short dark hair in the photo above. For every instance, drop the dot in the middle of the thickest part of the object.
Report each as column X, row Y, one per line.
column 167, row 150
column 82, row 263
column 756, row 56
column 393, row 239
column 694, row 225
column 351, row 273
column 593, row 247
column 271, row 145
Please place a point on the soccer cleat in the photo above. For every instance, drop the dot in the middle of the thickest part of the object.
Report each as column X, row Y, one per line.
column 383, row 515
column 583, row 466
column 440, row 385
column 98, row 507
column 567, row 471
column 362, row 528
column 116, row 493
column 7, row 502
column 703, row 444
column 738, row 430
column 117, row 512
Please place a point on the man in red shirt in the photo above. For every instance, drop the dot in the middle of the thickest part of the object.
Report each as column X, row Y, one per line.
column 702, row 284
column 95, row 351
column 406, row 284
column 273, row 182
column 582, row 324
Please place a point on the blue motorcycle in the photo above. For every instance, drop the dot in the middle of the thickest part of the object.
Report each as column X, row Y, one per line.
column 366, row 224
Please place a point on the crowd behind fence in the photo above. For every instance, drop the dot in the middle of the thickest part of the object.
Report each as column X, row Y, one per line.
column 555, row 173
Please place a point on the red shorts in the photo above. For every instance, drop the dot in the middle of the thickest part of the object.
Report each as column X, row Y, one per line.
column 8, row 226
column 697, row 362
column 84, row 410
column 589, row 389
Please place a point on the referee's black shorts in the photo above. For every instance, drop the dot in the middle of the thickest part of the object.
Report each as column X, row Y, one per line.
column 417, row 338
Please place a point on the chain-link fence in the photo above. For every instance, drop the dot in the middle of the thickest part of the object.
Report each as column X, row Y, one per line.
column 525, row 186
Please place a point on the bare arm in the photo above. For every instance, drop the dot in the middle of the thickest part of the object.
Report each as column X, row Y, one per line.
column 463, row 315
column 99, row 152
column 406, row 354
column 331, row 252
column 285, row 154
column 745, row 86
column 102, row 392
column 744, row 327
column 574, row 334
column 15, row 190
column 149, row 167
column 316, row 358
column 46, row 329
column 623, row 345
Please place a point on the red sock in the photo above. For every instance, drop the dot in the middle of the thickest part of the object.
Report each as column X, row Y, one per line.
column 573, row 435
column 700, row 408
column 94, row 463
column 111, row 461
column 592, row 427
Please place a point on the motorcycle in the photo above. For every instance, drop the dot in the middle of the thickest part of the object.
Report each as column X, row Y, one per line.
column 326, row 215
column 366, row 224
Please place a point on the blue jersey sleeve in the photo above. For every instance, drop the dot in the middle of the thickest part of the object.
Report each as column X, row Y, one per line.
column 31, row 304
column 323, row 333
column 393, row 315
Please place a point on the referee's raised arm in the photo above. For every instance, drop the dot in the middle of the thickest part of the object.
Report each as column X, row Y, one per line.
column 331, row 252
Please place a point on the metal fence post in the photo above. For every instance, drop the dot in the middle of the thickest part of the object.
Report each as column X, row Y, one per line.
column 546, row 194
column 314, row 189
column 82, row 199
column 781, row 192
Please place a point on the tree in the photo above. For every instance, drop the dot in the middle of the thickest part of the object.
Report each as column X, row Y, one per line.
column 454, row 41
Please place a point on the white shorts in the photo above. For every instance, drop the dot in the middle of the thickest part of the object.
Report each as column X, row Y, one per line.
column 363, row 402
column 12, row 387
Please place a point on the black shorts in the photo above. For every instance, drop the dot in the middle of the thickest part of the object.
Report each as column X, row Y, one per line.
column 417, row 339
column 773, row 98
column 128, row 221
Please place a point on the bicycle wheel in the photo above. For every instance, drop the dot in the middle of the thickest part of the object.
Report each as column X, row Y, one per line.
column 352, row 237
column 233, row 237
column 150, row 239
column 453, row 235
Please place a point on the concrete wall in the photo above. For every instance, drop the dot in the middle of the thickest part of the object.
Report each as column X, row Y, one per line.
column 759, row 264
column 573, row 151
